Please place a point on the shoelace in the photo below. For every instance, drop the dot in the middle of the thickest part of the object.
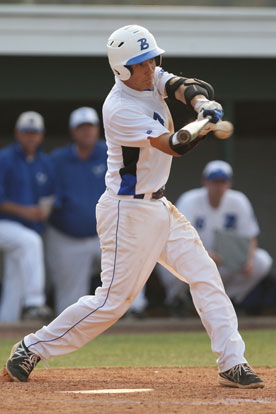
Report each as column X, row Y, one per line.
column 30, row 359
column 237, row 370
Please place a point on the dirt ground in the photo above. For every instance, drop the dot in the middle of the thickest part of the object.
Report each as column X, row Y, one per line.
column 165, row 390
column 171, row 391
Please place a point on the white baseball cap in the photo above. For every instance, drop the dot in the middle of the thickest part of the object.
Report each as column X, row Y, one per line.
column 30, row 121
column 218, row 170
column 82, row 116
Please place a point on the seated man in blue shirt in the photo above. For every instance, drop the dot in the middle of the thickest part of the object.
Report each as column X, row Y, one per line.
column 72, row 245
column 26, row 191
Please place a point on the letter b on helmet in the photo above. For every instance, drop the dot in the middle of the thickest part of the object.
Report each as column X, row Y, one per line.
column 143, row 43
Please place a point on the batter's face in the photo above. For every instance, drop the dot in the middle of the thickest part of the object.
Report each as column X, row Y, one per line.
column 142, row 75
column 29, row 141
column 85, row 135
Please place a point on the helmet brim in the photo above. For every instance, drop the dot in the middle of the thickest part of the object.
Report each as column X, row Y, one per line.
column 145, row 56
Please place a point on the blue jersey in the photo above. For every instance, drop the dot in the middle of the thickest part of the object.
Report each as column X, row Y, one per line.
column 80, row 183
column 24, row 181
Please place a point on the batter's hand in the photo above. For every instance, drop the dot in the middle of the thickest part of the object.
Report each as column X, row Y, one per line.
column 211, row 109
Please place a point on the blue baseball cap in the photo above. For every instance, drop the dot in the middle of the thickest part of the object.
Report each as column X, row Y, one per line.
column 218, row 170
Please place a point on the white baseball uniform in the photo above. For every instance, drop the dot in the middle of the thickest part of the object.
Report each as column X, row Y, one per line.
column 234, row 214
column 137, row 230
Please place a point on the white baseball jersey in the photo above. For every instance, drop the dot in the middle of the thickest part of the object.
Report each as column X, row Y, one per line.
column 234, row 214
column 130, row 117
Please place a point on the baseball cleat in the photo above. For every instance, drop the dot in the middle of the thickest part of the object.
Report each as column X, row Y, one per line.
column 240, row 376
column 21, row 362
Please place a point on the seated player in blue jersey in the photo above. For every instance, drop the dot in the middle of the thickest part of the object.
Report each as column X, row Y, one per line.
column 72, row 245
column 26, row 192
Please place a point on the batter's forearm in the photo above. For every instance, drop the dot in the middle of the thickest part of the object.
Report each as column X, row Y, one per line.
column 170, row 144
column 162, row 143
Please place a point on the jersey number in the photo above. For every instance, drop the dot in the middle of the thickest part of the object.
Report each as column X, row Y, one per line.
column 157, row 117
column 230, row 221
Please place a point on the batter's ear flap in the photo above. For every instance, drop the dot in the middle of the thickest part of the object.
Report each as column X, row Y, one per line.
column 122, row 72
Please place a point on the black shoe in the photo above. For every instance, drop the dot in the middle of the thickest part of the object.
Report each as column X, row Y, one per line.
column 33, row 313
column 21, row 362
column 240, row 376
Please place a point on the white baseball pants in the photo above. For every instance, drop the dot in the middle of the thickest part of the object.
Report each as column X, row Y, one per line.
column 71, row 262
column 24, row 275
column 134, row 235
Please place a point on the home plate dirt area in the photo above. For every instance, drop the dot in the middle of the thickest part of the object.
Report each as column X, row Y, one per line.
column 134, row 390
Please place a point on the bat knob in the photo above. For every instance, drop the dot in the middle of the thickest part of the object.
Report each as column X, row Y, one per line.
column 184, row 136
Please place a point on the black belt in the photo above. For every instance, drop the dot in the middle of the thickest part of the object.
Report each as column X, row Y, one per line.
column 154, row 196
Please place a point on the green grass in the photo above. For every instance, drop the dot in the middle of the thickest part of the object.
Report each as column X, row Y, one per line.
column 177, row 349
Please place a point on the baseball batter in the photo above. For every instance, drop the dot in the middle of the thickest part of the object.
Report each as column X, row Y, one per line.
column 136, row 224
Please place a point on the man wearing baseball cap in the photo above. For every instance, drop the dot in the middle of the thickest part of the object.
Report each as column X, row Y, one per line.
column 30, row 121
column 26, row 191
column 82, row 116
column 72, row 245
column 218, row 170
column 227, row 226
